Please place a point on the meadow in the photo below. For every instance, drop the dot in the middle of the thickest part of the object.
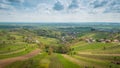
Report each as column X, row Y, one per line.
column 59, row 45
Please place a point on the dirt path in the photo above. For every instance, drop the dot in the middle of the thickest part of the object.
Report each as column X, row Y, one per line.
column 89, row 53
column 5, row 62
column 13, row 52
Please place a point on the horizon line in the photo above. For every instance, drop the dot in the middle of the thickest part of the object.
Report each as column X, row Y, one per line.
column 59, row 22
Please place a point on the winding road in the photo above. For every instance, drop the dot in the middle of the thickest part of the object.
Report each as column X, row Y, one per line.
column 8, row 61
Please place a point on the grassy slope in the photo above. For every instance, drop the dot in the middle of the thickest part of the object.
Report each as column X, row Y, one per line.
column 67, row 63
column 12, row 47
column 28, row 49
column 44, row 61
column 97, row 63
column 57, row 61
column 97, row 47
column 48, row 41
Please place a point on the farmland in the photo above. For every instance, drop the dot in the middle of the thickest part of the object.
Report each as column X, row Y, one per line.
column 60, row 45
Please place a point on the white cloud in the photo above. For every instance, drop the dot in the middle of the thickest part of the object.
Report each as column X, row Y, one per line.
column 44, row 12
column 6, row 7
column 28, row 17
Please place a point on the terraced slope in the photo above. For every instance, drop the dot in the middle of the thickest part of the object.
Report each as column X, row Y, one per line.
column 5, row 62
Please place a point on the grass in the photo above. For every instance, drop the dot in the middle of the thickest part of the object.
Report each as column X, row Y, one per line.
column 55, row 62
column 98, row 61
column 100, row 57
column 114, row 49
column 48, row 41
column 11, row 48
column 26, row 51
column 77, row 44
column 30, row 63
column 88, row 35
column 97, row 47
column 66, row 63
column 91, row 62
column 93, row 46
column 96, row 35
column 44, row 61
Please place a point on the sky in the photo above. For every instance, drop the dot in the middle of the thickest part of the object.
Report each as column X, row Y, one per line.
column 59, row 10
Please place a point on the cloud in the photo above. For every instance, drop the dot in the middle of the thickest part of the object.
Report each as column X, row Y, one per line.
column 6, row 7
column 99, row 3
column 16, row 1
column 43, row 9
column 73, row 5
column 113, row 7
column 4, row 1
column 62, row 18
column 69, row 10
column 58, row 6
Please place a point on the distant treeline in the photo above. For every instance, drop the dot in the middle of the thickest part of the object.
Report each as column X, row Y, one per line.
column 7, row 26
column 13, row 26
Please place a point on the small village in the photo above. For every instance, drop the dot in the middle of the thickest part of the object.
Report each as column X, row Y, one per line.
column 91, row 40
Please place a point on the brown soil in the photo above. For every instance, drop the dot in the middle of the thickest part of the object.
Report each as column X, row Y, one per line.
column 8, row 61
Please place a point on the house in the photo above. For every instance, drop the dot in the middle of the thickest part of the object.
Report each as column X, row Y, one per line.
column 37, row 41
column 90, row 40
column 116, row 40
column 102, row 40
column 108, row 41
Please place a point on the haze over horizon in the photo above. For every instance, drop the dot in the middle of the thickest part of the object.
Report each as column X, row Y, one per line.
column 59, row 10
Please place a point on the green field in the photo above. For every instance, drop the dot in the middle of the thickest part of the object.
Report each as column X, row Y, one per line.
column 60, row 45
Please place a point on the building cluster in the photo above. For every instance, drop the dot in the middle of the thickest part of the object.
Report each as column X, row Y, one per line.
column 90, row 40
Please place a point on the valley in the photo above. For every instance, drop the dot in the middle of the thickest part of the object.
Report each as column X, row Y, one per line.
column 60, row 45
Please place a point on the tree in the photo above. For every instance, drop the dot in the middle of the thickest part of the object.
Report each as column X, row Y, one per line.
column 63, row 49
column 104, row 48
column 50, row 50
